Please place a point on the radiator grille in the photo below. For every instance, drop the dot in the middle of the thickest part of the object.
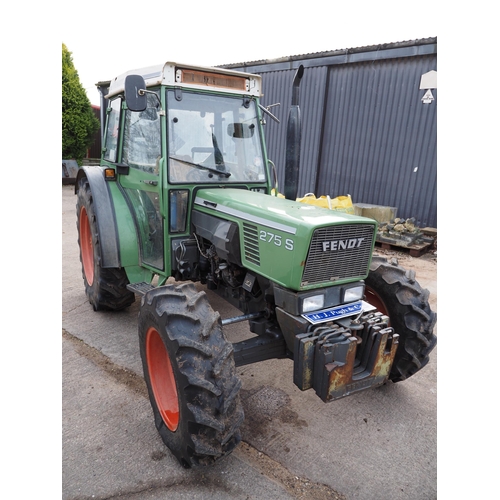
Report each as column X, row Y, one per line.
column 251, row 243
column 338, row 253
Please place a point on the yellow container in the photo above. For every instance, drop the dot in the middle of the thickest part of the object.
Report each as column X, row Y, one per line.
column 339, row 203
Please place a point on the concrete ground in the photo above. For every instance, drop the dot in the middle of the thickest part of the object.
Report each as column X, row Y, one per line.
column 377, row 444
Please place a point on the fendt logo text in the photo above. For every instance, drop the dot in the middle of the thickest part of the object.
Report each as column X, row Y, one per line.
column 332, row 246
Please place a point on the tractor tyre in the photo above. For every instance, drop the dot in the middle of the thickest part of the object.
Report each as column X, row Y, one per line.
column 395, row 292
column 106, row 288
column 190, row 375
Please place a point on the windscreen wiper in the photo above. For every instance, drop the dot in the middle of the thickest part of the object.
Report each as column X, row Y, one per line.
column 201, row 166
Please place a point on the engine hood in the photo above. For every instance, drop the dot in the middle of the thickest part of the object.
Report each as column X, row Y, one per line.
column 271, row 211
column 296, row 245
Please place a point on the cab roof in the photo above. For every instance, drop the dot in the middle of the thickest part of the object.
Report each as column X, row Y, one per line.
column 189, row 76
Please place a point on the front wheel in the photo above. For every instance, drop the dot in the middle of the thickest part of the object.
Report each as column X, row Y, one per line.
column 395, row 292
column 190, row 375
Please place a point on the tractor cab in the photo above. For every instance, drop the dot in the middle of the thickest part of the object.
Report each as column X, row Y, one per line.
column 172, row 130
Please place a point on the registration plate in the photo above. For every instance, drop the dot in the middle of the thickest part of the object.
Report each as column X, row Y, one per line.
column 333, row 313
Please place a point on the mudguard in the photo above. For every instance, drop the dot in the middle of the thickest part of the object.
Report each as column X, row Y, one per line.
column 106, row 224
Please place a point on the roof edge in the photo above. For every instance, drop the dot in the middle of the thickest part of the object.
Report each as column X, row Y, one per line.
column 333, row 53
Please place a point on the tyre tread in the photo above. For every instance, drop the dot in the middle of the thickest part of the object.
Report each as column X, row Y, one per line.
column 109, row 289
column 410, row 313
column 206, row 375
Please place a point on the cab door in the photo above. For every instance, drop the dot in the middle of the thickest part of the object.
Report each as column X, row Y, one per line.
column 142, row 152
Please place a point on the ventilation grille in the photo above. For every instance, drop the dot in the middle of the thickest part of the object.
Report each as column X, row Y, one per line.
column 251, row 243
column 338, row 253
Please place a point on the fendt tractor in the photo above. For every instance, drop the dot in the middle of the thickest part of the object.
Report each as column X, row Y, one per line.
column 186, row 201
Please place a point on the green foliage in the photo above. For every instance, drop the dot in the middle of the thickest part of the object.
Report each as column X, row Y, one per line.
column 79, row 123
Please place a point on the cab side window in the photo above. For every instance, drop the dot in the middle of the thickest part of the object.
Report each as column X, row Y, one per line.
column 112, row 130
column 142, row 138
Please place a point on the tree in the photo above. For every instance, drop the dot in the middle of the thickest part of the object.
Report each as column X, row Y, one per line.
column 79, row 123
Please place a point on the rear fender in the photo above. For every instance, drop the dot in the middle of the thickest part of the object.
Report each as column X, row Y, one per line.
column 106, row 217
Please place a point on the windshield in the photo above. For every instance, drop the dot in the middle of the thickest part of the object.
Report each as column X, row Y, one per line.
column 213, row 139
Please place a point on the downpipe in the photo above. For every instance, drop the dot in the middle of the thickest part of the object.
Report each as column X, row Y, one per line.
column 293, row 137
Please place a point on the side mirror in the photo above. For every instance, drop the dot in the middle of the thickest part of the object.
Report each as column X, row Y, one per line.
column 135, row 99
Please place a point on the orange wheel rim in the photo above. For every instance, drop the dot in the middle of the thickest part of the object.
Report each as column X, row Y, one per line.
column 86, row 247
column 162, row 379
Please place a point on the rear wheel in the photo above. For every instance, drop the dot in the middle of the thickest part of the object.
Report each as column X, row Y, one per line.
column 190, row 374
column 395, row 292
column 106, row 288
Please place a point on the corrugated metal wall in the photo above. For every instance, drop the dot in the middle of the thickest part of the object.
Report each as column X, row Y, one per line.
column 365, row 130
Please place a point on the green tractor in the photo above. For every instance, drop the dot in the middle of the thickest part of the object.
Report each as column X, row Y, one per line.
column 185, row 194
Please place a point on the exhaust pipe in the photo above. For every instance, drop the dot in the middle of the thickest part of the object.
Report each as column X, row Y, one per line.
column 293, row 136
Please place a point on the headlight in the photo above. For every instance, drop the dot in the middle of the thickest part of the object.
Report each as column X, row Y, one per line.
column 313, row 303
column 354, row 293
